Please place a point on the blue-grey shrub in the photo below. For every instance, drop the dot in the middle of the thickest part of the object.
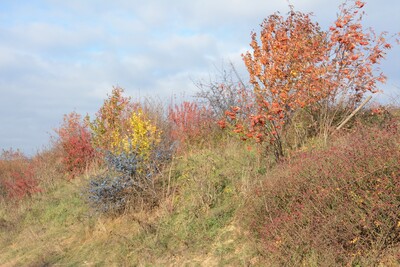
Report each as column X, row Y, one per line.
column 129, row 178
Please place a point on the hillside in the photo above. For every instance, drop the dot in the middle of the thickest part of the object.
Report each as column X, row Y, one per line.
column 215, row 209
column 293, row 168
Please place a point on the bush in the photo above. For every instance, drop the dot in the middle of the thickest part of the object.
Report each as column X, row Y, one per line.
column 337, row 206
column 226, row 90
column 132, row 140
column 75, row 141
column 121, row 126
column 190, row 122
column 130, row 178
column 109, row 126
column 17, row 176
column 108, row 192
column 49, row 166
column 139, row 135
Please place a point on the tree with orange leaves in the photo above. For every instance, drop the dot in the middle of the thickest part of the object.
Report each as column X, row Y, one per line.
column 294, row 65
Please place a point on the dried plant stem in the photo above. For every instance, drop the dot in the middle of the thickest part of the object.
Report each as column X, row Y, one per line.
column 354, row 112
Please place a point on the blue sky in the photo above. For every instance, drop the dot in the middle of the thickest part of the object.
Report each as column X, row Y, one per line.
column 62, row 56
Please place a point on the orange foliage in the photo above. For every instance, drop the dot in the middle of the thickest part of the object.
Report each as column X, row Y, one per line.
column 294, row 64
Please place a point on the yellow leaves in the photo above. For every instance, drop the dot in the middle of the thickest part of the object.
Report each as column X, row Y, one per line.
column 140, row 135
column 114, row 137
column 109, row 119
column 121, row 126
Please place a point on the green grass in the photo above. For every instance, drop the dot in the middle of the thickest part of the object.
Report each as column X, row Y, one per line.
column 195, row 223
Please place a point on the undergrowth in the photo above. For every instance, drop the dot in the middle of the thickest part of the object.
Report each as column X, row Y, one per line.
column 158, row 191
column 329, row 206
column 252, row 174
column 334, row 206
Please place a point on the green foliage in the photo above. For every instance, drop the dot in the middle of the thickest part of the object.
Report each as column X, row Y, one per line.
column 208, row 212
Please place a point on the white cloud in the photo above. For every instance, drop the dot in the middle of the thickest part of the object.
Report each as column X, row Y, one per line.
column 57, row 56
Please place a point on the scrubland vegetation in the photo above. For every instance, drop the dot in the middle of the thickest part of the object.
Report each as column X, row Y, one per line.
column 248, row 174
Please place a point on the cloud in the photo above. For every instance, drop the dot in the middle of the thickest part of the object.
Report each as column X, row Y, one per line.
column 58, row 56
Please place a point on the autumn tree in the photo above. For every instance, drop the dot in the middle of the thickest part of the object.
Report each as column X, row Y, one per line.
column 294, row 64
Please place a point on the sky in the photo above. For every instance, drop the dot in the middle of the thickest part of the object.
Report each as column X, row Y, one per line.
column 60, row 56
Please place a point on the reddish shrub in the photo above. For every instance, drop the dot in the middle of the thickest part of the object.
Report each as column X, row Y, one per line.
column 17, row 176
column 339, row 205
column 75, row 140
column 190, row 122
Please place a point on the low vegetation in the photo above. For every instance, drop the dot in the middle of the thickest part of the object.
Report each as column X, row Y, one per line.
column 248, row 174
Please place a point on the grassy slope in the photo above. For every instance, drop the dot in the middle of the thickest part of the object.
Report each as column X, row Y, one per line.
column 195, row 223
column 199, row 221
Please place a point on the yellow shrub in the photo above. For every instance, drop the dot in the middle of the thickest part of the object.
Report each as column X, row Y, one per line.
column 121, row 126
column 139, row 135
column 109, row 121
